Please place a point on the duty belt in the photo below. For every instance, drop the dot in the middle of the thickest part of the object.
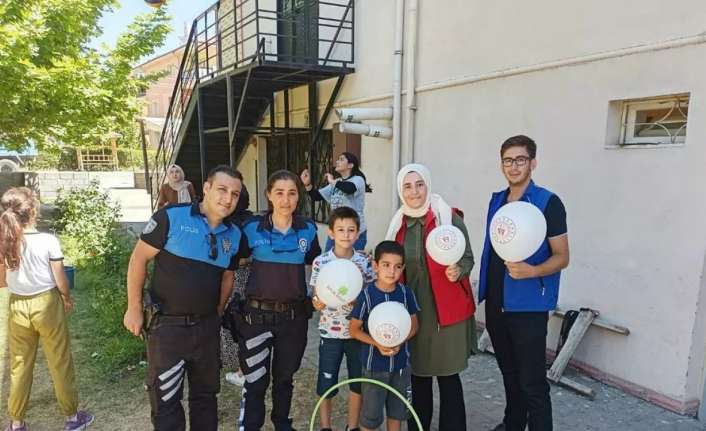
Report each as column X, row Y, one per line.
column 180, row 319
column 278, row 307
column 270, row 312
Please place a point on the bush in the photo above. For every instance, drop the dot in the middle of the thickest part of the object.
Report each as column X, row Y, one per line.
column 87, row 223
column 55, row 158
column 87, row 220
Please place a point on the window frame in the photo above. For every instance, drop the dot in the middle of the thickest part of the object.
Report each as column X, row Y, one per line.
column 629, row 111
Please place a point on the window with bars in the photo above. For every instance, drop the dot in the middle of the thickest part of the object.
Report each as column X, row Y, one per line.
column 655, row 121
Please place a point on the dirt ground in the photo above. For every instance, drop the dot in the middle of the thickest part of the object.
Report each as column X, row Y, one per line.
column 119, row 401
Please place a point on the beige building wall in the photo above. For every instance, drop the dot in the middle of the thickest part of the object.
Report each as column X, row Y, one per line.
column 638, row 249
column 156, row 99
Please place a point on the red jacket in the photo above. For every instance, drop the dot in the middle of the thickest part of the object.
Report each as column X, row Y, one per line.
column 454, row 301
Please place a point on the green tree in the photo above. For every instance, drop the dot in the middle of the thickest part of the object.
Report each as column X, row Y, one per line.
column 56, row 89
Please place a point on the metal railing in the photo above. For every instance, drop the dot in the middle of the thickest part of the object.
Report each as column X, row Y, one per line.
column 234, row 33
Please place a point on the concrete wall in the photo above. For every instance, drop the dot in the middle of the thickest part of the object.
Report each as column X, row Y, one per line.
column 634, row 215
column 49, row 182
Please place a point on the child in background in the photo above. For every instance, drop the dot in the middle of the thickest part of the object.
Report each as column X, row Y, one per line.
column 344, row 228
column 389, row 365
column 31, row 265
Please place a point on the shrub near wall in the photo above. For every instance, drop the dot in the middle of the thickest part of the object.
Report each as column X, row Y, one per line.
column 87, row 222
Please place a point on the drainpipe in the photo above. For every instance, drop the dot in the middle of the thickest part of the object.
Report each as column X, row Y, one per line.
column 411, row 60
column 397, row 98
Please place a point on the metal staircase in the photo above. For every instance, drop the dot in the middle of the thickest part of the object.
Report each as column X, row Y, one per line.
column 239, row 53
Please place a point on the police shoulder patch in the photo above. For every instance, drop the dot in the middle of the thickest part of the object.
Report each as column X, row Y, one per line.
column 149, row 227
column 303, row 245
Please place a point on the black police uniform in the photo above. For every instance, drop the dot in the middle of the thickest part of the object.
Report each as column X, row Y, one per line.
column 184, row 337
column 271, row 324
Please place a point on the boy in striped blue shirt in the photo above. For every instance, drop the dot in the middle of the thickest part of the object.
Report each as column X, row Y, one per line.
column 389, row 365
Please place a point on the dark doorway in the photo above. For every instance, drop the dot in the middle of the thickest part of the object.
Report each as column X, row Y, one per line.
column 298, row 31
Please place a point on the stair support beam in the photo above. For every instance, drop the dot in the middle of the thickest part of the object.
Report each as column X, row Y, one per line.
column 229, row 104
column 234, row 125
column 286, row 127
column 313, row 112
column 202, row 135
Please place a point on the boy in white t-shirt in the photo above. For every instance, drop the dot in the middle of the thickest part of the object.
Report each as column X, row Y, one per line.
column 344, row 228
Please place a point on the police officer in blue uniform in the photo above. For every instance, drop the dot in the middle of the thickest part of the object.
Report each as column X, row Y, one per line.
column 194, row 248
column 271, row 322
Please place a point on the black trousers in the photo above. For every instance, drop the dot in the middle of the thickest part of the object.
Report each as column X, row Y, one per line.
column 520, row 344
column 452, row 414
column 178, row 352
column 270, row 344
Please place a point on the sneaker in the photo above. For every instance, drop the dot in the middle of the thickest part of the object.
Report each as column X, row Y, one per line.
column 22, row 427
column 83, row 420
column 237, row 378
column 352, row 429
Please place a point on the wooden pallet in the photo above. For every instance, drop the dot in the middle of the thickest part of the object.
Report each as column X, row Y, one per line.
column 586, row 318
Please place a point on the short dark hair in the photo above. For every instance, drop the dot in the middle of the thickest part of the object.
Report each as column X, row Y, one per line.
column 520, row 141
column 225, row 169
column 343, row 213
column 388, row 247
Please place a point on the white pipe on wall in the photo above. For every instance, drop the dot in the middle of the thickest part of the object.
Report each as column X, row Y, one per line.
column 366, row 129
column 397, row 97
column 353, row 115
column 411, row 65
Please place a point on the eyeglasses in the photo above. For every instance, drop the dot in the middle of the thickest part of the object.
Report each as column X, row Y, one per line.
column 519, row 161
column 213, row 243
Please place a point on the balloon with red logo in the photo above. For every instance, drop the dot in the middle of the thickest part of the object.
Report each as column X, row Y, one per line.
column 517, row 230
column 446, row 244
column 389, row 323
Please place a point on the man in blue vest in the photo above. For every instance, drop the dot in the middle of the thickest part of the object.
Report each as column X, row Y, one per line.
column 519, row 296
column 194, row 247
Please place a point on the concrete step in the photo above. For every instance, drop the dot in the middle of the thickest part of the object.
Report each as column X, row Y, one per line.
column 135, row 204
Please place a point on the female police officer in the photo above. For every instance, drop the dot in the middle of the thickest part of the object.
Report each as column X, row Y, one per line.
column 271, row 323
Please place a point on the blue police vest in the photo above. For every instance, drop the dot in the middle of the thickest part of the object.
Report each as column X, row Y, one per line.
column 190, row 237
column 277, row 272
column 532, row 294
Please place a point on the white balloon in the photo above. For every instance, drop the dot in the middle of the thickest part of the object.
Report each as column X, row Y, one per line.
column 446, row 244
column 517, row 230
column 339, row 282
column 389, row 323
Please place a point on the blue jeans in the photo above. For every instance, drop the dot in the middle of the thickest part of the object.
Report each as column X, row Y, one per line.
column 359, row 244
column 331, row 351
column 377, row 400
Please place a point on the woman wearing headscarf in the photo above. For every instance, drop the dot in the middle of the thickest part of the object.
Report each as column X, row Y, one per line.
column 176, row 190
column 446, row 334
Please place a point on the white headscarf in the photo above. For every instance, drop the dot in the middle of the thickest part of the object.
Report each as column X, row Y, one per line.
column 181, row 186
column 442, row 211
